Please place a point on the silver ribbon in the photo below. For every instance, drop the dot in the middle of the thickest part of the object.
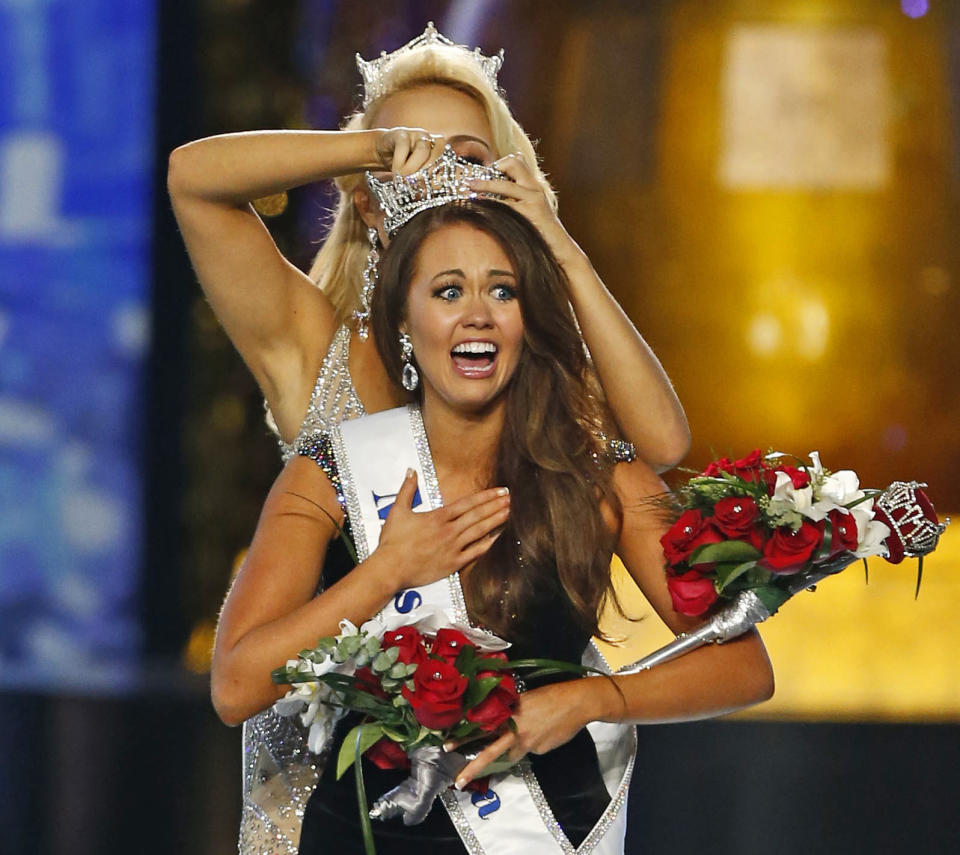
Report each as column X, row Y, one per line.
column 432, row 770
column 742, row 613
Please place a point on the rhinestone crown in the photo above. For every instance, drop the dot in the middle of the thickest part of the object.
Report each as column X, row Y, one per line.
column 373, row 71
column 439, row 183
column 900, row 508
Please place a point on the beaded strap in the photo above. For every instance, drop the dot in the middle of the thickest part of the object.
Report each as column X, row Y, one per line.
column 317, row 446
column 621, row 451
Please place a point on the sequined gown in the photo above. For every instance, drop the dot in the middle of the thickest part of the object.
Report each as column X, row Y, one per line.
column 569, row 777
column 279, row 773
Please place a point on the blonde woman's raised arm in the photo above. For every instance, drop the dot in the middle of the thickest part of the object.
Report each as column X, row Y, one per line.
column 275, row 316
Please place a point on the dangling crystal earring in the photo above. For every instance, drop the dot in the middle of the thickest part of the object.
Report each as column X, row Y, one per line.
column 409, row 378
column 369, row 284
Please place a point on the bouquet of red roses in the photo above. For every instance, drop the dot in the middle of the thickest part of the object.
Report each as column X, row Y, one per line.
column 758, row 530
column 418, row 686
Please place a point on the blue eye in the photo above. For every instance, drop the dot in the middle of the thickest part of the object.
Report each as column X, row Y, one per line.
column 448, row 292
column 503, row 292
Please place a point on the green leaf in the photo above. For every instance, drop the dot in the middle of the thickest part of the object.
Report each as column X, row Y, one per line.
column 395, row 735
column 466, row 662
column 381, row 662
column 477, row 690
column 398, row 671
column 356, row 742
column 758, row 577
column 729, row 551
column 350, row 645
column 464, row 730
column 372, row 646
column 557, row 665
column 772, row 597
column 727, row 573
column 280, row 675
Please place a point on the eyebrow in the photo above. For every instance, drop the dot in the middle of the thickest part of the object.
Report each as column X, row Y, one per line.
column 456, row 271
column 469, row 138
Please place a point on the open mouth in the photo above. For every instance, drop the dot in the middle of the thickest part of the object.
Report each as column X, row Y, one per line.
column 474, row 358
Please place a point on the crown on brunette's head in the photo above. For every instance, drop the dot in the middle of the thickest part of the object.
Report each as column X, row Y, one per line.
column 404, row 196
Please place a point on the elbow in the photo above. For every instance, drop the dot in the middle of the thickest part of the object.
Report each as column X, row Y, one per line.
column 177, row 167
column 674, row 447
column 677, row 447
column 227, row 702
column 765, row 686
column 758, row 680
column 234, row 698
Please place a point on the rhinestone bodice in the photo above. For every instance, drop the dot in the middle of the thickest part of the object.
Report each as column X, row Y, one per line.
column 334, row 398
column 279, row 773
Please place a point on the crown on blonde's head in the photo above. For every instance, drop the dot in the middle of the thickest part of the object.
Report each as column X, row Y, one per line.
column 374, row 71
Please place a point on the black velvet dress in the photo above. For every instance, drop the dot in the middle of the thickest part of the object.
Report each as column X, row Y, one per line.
column 569, row 775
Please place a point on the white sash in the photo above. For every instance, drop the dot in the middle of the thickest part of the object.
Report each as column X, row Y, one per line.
column 512, row 817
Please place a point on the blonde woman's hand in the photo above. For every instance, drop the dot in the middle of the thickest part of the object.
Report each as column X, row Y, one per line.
column 520, row 191
column 405, row 150
column 429, row 545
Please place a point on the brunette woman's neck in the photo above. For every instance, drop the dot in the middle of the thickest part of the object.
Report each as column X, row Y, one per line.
column 463, row 446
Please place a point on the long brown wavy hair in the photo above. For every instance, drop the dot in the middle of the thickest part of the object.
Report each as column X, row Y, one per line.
column 551, row 453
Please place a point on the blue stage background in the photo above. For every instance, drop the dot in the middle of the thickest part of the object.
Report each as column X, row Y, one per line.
column 76, row 166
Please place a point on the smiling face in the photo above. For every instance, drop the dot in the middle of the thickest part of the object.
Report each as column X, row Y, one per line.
column 463, row 318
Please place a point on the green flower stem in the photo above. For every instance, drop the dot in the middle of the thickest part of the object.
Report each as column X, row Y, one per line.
column 368, row 846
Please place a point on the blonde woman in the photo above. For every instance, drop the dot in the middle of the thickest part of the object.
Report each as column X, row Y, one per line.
column 304, row 343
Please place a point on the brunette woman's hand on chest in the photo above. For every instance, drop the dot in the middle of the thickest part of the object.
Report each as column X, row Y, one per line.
column 420, row 547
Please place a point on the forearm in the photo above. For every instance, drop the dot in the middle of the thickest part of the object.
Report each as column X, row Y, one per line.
column 237, row 168
column 241, row 684
column 711, row 681
column 637, row 388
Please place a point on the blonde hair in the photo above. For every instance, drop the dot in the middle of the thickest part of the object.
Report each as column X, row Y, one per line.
column 338, row 266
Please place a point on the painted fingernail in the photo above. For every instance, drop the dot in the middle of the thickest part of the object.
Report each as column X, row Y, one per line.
column 448, row 746
column 410, row 473
column 503, row 491
column 461, row 783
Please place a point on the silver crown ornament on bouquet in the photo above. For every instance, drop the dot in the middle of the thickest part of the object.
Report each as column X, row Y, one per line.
column 402, row 197
column 374, row 71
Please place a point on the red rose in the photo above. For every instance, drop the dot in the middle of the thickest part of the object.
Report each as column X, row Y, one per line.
column 714, row 468
column 369, row 682
column 894, row 542
column 387, row 754
column 735, row 516
column 496, row 707
column 751, row 467
column 448, row 644
column 691, row 593
column 479, row 785
column 410, row 642
column 788, row 550
column 844, row 532
column 437, row 696
column 686, row 534
column 798, row 477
